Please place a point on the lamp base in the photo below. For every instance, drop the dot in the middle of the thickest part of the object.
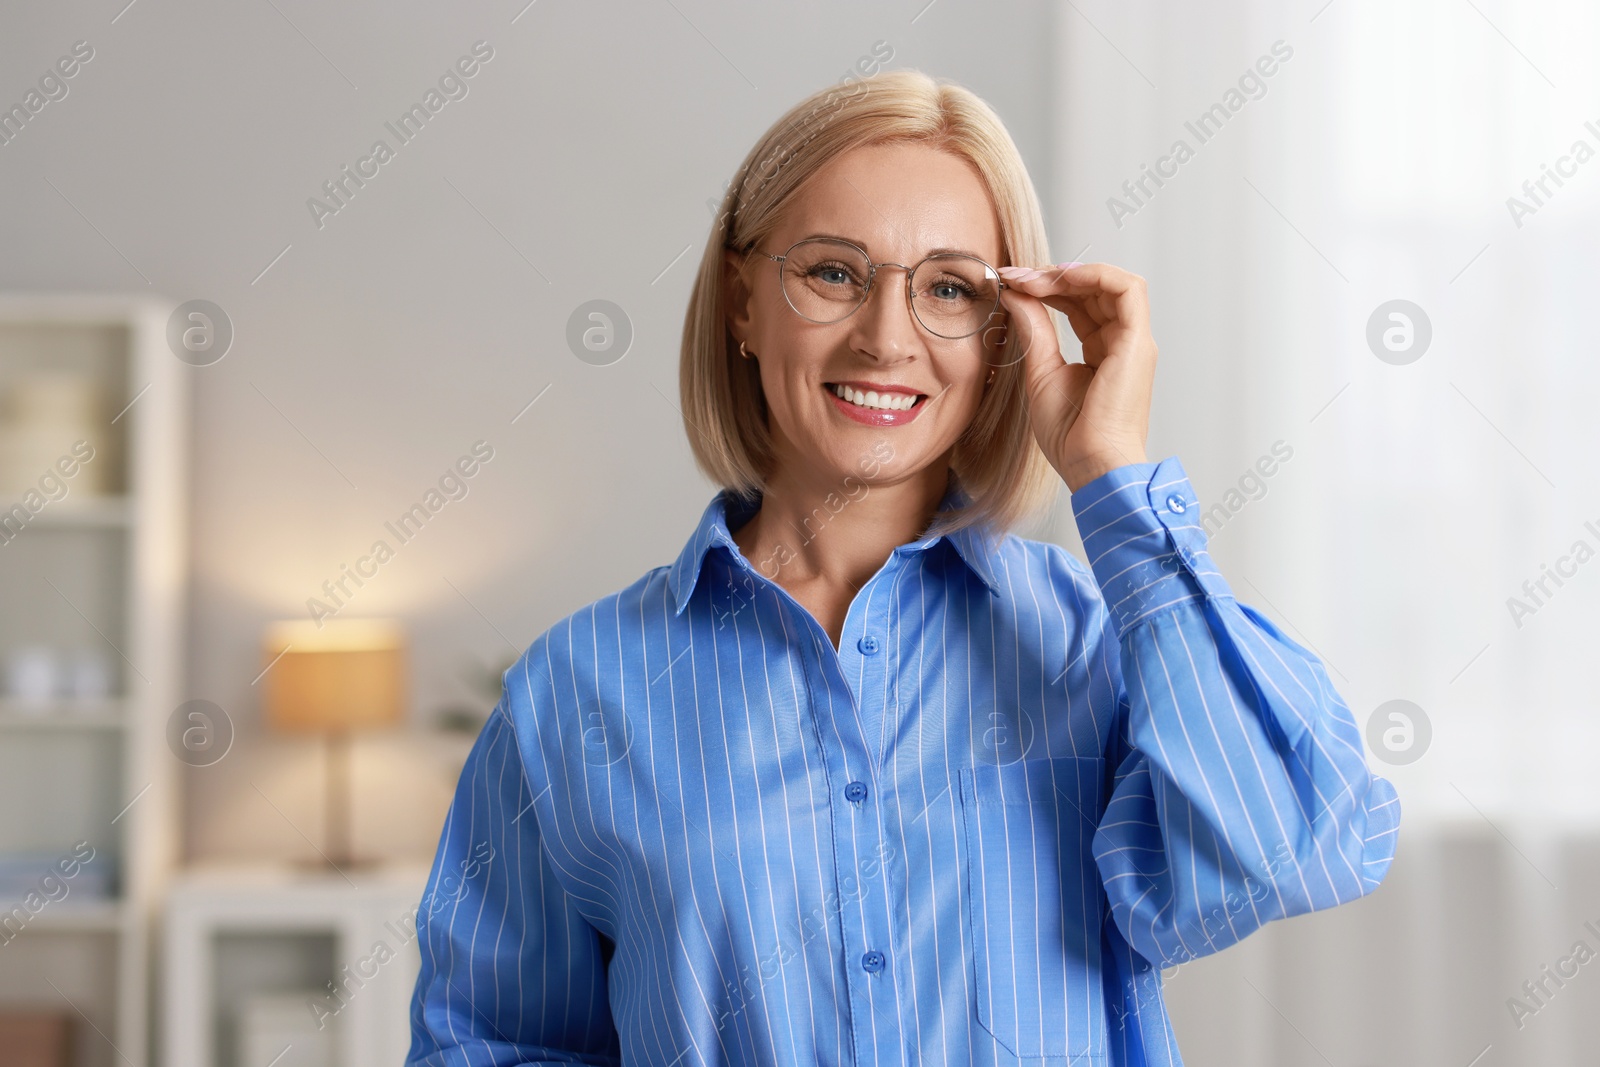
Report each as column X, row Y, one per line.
column 338, row 853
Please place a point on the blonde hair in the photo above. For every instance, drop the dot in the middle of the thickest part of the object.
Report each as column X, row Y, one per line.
column 996, row 462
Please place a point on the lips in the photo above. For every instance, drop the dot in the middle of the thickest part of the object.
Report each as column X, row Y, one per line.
column 890, row 407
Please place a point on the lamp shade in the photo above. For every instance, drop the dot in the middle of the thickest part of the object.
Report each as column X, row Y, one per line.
column 346, row 675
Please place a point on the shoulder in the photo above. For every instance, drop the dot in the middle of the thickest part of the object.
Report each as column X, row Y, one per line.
column 1047, row 583
column 1027, row 562
column 579, row 651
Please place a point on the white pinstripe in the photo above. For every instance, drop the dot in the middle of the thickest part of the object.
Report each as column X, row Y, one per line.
column 1140, row 715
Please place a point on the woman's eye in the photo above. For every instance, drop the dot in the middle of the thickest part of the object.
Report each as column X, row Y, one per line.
column 947, row 291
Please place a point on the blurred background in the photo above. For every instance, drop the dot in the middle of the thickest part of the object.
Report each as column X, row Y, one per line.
column 255, row 374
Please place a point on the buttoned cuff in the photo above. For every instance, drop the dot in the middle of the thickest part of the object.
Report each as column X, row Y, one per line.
column 1140, row 525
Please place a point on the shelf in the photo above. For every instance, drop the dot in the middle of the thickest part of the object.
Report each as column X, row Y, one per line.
column 63, row 715
column 85, row 570
column 89, row 916
column 79, row 512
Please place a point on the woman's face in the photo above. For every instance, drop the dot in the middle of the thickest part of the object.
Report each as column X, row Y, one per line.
column 900, row 203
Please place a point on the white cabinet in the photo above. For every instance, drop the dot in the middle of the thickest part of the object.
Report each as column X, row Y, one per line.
column 93, row 439
column 367, row 914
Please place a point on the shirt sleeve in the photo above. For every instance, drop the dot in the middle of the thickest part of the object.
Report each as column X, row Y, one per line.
column 1241, row 792
column 511, row 972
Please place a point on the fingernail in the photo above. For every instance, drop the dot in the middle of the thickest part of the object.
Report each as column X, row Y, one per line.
column 1012, row 272
column 1069, row 266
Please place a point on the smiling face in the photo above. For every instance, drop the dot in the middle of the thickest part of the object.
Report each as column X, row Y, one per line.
column 899, row 203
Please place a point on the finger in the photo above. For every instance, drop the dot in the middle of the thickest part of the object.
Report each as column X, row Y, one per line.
column 1083, row 324
column 1122, row 295
column 1083, row 277
column 1045, row 285
column 1100, row 300
column 1085, row 313
column 1079, row 279
column 1089, row 332
column 1104, row 292
column 1041, row 354
column 1093, row 296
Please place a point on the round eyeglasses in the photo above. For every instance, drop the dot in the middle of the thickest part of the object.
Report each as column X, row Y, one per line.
column 825, row 280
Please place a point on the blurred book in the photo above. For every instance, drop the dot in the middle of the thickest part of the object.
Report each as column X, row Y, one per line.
column 82, row 874
column 35, row 1039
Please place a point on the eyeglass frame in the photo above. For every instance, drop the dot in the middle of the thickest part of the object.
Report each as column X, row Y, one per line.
column 872, row 276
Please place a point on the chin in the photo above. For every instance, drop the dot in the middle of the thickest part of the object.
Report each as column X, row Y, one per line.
column 878, row 458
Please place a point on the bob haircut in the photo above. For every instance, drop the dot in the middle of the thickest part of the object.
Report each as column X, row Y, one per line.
column 996, row 461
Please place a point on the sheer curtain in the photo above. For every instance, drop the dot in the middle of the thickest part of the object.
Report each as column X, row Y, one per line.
column 1374, row 164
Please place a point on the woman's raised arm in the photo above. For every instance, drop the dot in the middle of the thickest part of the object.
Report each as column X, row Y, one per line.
column 1241, row 792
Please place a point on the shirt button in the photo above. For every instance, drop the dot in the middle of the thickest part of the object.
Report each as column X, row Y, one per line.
column 1175, row 504
column 868, row 645
column 872, row 962
column 855, row 792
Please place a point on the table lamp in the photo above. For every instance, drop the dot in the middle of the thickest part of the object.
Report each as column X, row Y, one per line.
column 333, row 679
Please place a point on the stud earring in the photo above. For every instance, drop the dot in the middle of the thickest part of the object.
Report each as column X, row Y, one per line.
column 991, row 377
column 742, row 352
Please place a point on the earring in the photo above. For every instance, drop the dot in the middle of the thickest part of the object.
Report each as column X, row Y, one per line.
column 991, row 377
column 742, row 352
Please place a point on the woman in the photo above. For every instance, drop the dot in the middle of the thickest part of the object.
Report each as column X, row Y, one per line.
column 862, row 777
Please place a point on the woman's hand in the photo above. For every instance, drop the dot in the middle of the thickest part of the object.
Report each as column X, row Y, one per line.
column 1088, row 417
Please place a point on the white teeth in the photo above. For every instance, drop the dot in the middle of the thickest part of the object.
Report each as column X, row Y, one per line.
column 880, row 401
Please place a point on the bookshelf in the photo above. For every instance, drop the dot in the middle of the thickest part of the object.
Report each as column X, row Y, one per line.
column 93, row 576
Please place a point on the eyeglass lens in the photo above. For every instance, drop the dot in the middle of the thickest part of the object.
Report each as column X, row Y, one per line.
column 952, row 295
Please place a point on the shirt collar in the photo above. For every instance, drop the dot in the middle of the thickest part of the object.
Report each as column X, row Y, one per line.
column 973, row 544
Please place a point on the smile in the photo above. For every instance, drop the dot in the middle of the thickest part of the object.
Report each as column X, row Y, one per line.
column 891, row 407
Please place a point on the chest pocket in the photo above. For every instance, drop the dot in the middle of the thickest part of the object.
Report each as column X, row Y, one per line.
column 1035, row 899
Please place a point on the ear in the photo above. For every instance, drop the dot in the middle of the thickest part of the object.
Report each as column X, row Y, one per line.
column 736, row 294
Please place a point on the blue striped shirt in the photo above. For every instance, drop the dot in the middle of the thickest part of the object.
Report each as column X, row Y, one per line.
column 694, row 832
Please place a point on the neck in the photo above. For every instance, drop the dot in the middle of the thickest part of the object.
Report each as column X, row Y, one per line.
column 814, row 528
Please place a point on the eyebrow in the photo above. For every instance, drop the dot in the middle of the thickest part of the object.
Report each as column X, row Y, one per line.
column 941, row 251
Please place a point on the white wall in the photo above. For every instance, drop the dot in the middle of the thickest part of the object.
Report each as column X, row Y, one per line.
column 428, row 312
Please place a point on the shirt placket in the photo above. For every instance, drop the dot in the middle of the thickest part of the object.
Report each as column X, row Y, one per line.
column 863, row 867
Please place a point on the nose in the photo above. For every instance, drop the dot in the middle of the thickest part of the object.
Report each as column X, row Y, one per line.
column 884, row 326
